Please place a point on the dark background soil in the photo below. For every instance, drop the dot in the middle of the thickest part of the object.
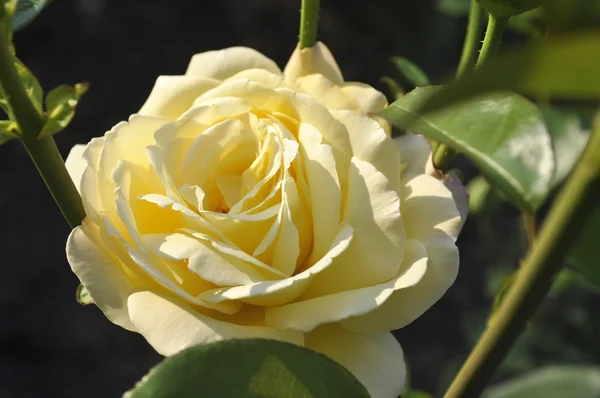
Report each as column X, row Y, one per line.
column 52, row 347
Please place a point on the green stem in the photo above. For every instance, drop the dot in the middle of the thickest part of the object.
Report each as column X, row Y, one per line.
column 309, row 17
column 443, row 154
column 469, row 51
column 541, row 265
column 493, row 38
column 30, row 121
column 50, row 165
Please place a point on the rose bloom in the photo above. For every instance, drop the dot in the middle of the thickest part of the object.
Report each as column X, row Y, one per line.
column 243, row 202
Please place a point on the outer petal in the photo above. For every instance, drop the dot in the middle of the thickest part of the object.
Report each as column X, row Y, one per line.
column 369, row 99
column 316, row 59
column 377, row 361
column 76, row 164
column 460, row 195
column 371, row 144
column 416, row 155
column 328, row 93
column 307, row 315
column 173, row 95
column 375, row 254
column 100, row 273
column 222, row 64
column 171, row 327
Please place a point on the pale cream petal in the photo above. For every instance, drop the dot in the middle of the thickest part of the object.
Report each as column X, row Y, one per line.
column 98, row 271
column 266, row 78
column 375, row 255
column 371, row 144
column 415, row 151
column 408, row 304
column 377, row 361
column 221, row 64
column 76, row 164
column 171, row 326
column 460, row 195
column 204, row 260
column 88, row 187
column 316, row 59
column 287, row 247
column 126, row 141
column 431, row 217
column 403, row 306
column 173, row 95
column 428, row 208
column 322, row 182
column 327, row 93
column 306, row 315
column 334, row 132
column 283, row 291
column 258, row 95
column 215, row 110
column 162, row 273
column 369, row 99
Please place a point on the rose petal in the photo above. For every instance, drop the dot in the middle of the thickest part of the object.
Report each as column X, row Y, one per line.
column 322, row 182
column 171, row 96
column 171, row 326
column 369, row 99
column 415, row 151
column 375, row 255
column 460, row 195
column 204, row 260
column 76, row 164
column 371, row 144
column 306, row 315
column 99, row 271
column 316, row 59
column 327, row 93
column 377, row 361
column 272, row 293
column 222, row 64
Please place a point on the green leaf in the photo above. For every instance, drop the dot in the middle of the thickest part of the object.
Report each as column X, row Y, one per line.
column 551, row 382
column 248, row 368
column 60, row 107
column 26, row 11
column 569, row 138
column 564, row 67
column 503, row 133
column 411, row 71
column 509, row 8
column 8, row 131
column 31, row 84
column 395, row 88
column 529, row 23
column 584, row 256
column 83, row 296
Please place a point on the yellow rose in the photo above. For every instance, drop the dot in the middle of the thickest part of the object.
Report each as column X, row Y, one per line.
column 242, row 201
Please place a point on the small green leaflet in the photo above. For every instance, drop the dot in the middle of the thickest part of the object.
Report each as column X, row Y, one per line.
column 31, row 84
column 83, row 296
column 8, row 130
column 60, row 107
column 411, row 71
column 248, row 368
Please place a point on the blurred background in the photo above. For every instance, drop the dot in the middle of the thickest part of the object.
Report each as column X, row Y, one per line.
column 50, row 346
